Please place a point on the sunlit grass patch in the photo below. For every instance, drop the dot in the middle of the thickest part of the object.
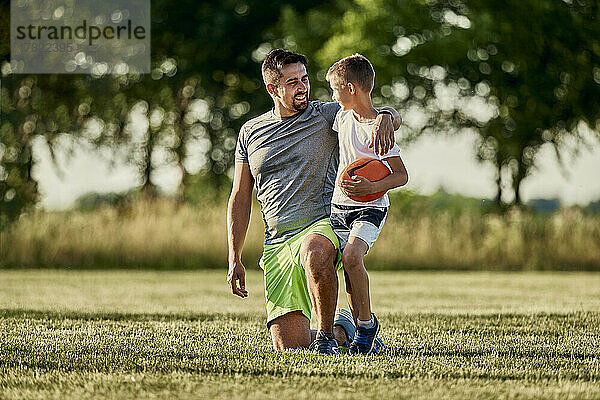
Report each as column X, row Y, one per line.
column 447, row 336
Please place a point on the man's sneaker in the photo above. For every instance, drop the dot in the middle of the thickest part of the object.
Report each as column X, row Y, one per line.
column 364, row 340
column 345, row 319
column 324, row 344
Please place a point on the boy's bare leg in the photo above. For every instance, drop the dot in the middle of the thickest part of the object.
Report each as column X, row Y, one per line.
column 354, row 269
column 353, row 309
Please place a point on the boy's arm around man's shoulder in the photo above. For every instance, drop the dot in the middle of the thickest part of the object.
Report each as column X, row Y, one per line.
column 382, row 135
column 396, row 117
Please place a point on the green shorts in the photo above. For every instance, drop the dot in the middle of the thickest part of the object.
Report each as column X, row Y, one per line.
column 285, row 281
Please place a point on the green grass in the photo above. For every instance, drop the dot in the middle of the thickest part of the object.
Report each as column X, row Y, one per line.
column 128, row 334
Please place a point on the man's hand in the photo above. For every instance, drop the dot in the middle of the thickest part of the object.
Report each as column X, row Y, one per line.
column 382, row 135
column 238, row 217
column 237, row 272
column 358, row 186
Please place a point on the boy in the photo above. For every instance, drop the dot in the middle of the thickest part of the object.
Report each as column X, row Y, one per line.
column 358, row 224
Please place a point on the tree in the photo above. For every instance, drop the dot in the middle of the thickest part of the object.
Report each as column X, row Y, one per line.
column 532, row 66
column 544, row 69
column 205, row 82
column 206, row 78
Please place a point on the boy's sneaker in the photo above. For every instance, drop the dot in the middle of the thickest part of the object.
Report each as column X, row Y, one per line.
column 364, row 340
column 345, row 319
column 324, row 344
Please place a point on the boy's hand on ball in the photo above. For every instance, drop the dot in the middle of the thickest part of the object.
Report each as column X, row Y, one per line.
column 364, row 176
column 358, row 186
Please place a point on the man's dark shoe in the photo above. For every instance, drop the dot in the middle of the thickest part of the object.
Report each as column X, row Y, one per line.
column 324, row 344
column 364, row 340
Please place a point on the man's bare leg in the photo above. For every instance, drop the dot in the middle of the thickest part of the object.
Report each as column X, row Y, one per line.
column 317, row 255
column 290, row 331
column 338, row 333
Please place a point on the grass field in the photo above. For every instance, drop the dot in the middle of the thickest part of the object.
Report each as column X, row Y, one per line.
column 133, row 334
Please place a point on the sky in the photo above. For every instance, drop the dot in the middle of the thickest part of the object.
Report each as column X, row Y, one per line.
column 433, row 162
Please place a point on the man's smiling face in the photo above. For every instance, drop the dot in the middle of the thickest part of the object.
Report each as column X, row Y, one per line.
column 294, row 88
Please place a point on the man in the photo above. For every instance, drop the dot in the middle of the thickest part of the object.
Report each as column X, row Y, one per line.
column 291, row 154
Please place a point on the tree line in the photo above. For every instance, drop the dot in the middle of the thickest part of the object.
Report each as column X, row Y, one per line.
column 518, row 73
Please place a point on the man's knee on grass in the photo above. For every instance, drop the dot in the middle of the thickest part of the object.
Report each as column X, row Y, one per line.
column 290, row 331
column 317, row 255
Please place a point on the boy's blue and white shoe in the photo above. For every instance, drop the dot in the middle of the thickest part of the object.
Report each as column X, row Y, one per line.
column 324, row 344
column 345, row 319
column 364, row 340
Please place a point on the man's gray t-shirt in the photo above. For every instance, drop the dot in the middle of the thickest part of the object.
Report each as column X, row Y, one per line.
column 293, row 161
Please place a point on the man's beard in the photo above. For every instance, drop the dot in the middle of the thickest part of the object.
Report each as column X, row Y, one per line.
column 300, row 105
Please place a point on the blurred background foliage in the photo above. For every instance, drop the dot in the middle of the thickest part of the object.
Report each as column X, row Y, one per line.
column 517, row 73
column 441, row 231
column 532, row 68
column 204, row 84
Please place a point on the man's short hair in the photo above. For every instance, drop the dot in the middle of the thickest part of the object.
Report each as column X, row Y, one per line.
column 274, row 62
column 356, row 69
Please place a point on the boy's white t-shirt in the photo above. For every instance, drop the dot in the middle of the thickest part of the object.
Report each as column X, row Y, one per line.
column 354, row 138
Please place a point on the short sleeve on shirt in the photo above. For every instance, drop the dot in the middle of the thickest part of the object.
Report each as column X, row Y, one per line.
column 394, row 152
column 336, row 121
column 241, row 150
column 328, row 110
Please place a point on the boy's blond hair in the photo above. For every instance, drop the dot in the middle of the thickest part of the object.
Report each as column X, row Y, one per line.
column 356, row 69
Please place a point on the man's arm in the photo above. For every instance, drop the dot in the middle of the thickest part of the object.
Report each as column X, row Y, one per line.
column 238, row 218
column 382, row 135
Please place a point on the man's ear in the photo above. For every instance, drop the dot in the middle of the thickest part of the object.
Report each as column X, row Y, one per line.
column 272, row 89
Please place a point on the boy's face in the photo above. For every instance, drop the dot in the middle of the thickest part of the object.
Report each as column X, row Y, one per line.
column 341, row 93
